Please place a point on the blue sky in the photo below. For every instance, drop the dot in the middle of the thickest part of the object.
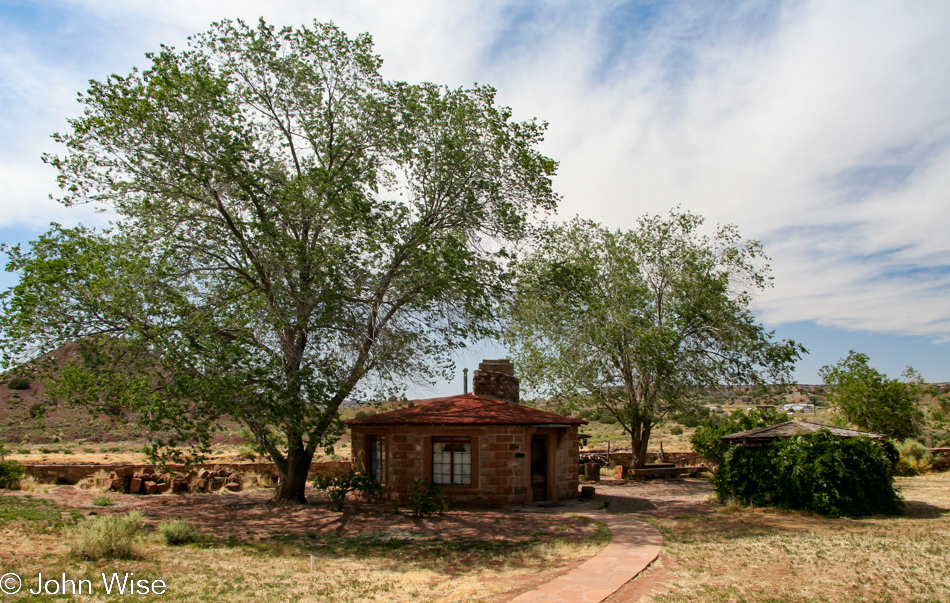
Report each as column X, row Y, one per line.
column 819, row 128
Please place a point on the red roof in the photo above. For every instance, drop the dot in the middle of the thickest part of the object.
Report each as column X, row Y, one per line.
column 466, row 409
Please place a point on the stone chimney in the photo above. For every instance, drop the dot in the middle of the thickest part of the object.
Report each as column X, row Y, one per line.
column 496, row 379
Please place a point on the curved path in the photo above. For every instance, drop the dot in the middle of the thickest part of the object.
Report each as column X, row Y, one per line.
column 634, row 546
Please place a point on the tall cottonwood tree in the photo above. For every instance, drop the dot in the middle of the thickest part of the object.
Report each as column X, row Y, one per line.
column 290, row 230
column 637, row 321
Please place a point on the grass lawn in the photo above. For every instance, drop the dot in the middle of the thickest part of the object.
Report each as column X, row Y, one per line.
column 387, row 563
column 737, row 555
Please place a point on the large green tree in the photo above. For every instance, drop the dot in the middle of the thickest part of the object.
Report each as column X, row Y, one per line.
column 868, row 399
column 290, row 230
column 637, row 321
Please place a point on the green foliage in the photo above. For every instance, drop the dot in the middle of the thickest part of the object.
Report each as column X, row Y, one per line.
column 692, row 415
column 706, row 439
column 19, row 383
column 424, row 499
column 915, row 458
column 336, row 487
column 42, row 515
column 866, row 398
column 107, row 536
column 637, row 321
column 37, row 410
column 676, row 430
column 103, row 501
column 291, row 230
column 816, row 472
column 176, row 532
column 11, row 472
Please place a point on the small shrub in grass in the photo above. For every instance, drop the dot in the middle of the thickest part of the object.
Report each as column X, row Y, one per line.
column 424, row 499
column 336, row 487
column 103, row 501
column 107, row 536
column 37, row 410
column 676, row 430
column 176, row 532
column 816, row 472
column 19, row 383
column 915, row 458
column 11, row 472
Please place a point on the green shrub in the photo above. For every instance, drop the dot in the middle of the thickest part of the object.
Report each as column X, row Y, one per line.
column 11, row 472
column 816, row 472
column 336, row 487
column 676, row 430
column 706, row 439
column 915, row 458
column 103, row 501
column 424, row 499
column 692, row 416
column 176, row 532
column 19, row 383
column 37, row 410
column 107, row 536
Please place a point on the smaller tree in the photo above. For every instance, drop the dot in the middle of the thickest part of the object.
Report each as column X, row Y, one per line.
column 636, row 322
column 866, row 398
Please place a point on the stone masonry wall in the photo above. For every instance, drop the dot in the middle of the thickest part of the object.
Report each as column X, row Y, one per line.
column 71, row 474
column 500, row 461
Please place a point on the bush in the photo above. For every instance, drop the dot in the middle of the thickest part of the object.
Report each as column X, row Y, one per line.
column 176, row 532
column 103, row 501
column 11, row 472
column 336, row 487
column 19, row 383
column 816, row 472
column 692, row 416
column 706, row 439
column 107, row 536
column 424, row 500
column 915, row 458
column 37, row 410
column 676, row 430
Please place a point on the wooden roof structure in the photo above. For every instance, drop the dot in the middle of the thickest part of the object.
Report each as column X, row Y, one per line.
column 765, row 435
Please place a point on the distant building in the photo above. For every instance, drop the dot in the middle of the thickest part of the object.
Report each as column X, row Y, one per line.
column 480, row 448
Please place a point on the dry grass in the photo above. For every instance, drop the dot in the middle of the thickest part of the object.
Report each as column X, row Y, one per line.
column 751, row 555
column 384, row 565
column 31, row 484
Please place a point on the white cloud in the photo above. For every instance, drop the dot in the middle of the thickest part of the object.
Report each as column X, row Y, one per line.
column 822, row 128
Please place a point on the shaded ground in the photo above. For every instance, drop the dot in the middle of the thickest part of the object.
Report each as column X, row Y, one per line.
column 249, row 516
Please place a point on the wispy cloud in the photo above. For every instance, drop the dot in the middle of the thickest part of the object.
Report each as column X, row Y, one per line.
column 821, row 128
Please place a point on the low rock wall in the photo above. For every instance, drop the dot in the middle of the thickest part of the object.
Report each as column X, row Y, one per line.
column 71, row 474
column 680, row 459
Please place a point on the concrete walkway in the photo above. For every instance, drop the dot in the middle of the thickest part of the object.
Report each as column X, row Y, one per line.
column 633, row 547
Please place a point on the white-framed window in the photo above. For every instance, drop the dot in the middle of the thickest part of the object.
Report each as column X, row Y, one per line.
column 452, row 461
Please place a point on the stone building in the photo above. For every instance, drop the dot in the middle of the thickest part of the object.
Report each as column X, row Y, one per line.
column 481, row 448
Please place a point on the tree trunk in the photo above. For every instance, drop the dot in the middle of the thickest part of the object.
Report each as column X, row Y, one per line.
column 639, row 441
column 293, row 477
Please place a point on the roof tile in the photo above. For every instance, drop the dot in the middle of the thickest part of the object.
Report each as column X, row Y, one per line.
column 466, row 409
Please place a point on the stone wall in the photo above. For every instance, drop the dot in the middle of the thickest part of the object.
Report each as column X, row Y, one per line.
column 71, row 474
column 680, row 459
column 500, row 461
